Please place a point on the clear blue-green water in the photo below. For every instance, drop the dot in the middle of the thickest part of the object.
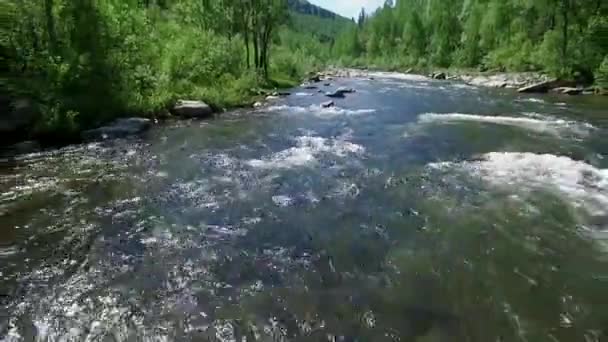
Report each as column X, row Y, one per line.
column 415, row 210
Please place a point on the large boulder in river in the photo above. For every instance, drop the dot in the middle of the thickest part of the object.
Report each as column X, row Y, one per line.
column 339, row 92
column 192, row 109
column 118, row 129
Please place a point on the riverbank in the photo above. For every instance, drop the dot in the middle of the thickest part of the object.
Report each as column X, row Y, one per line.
column 492, row 79
column 256, row 97
column 25, row 128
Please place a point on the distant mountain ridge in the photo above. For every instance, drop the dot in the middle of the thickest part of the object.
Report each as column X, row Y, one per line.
column 305, row 7
column 312, row 19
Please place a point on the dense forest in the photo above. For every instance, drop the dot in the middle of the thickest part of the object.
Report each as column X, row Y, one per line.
column 561, row 37
column 81, row 63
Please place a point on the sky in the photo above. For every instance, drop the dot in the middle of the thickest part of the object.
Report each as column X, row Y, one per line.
column 348, row 8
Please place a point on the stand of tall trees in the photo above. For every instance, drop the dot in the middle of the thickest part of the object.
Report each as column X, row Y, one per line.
column 558, row 36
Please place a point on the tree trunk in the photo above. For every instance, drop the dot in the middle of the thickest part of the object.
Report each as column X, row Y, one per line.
column 50, row 25
column 256, row 51
column 246, row 38
column 255, row 36
column 266, row 43
column 565, row 9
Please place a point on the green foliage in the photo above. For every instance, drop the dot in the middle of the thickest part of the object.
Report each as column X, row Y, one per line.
column 84, row 62
column 602, row 74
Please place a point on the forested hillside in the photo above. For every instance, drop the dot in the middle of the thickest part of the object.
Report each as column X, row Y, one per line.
column 561, row 37
column 307, row 37
column 324, row 28
column 305, row 7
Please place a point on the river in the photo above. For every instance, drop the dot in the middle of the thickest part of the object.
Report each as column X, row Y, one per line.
column 414, row 210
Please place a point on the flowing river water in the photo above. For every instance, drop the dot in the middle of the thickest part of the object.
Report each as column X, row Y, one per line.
column 414, row 210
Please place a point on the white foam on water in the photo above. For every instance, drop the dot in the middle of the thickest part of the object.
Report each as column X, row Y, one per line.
column 306, row 151
column 72, row 314
column 345, row 190
column 319, row 111
column 303, row 94
column 536, row 123
column 531, row 100
column 398, row 76
column 282, row 200
column 463, row 86
column 251, row 220
column 421, row 86
column 8, row 251
column 582, row 184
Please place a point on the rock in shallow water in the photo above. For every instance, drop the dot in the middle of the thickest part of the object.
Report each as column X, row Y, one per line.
column 327, row 104
column 192, row 109
column 339, row 92
column 118, row 129
column 439, row 76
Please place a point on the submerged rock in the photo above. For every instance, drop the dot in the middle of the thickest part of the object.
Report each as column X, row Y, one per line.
column 340, row 92
column 118, row 129
column 334, row 94
column 328, row 104
column 309, row 86
column 192, row 109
